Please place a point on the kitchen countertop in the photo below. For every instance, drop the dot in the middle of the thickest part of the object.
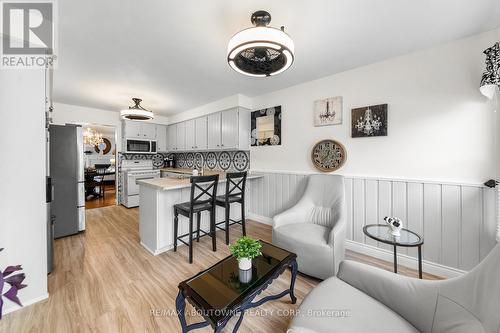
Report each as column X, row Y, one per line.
column 171, row 183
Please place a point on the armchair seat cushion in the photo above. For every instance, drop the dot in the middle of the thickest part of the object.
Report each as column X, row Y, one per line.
column 336, row 307
column 310, row 242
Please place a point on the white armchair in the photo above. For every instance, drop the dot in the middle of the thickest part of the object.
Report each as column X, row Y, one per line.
column 315, row 227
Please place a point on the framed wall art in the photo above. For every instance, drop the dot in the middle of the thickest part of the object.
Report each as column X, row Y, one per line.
column 369, row 121
column 266, row 127
column 328, row 111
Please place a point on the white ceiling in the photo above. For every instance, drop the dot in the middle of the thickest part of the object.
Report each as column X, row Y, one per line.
column 172, row 54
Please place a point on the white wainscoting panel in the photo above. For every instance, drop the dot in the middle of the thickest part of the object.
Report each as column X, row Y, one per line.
column 457, row 220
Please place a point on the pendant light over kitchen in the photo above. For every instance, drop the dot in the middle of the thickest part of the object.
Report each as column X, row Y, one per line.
column 136, row 112
column 260, row 51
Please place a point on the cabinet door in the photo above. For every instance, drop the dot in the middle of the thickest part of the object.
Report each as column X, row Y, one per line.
column 132, row 129
column 148, row 131
column 172, row 137
column 230, row 129
column 214, row 131
column 190, row 135
column 161, row 138
column 181, row 136
column 201, row 133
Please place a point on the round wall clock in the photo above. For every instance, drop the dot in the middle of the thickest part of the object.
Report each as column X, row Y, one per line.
column 328, row 155
column 105, row 147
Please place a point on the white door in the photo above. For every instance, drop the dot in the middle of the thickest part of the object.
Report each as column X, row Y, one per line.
column 132, row 129
column 190, row 135
column 201, row 133
column 230, row 129
column 172, row 137
column 214, row 131
column 148, row 131
column 181, row 136
column 161, row 138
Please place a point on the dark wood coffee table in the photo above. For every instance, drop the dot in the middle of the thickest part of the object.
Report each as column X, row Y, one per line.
column 218, row 292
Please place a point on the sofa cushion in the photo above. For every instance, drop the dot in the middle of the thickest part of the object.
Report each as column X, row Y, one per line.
column 310, row 242
column 335, row 306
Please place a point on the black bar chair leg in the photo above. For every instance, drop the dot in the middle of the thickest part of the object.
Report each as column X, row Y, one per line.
column 228, row 214
column 212, row 229
column 176, row 226
column 243, row 227
column 190, row 238
column 198, row 219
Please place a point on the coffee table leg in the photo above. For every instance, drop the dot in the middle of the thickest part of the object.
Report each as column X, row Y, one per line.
column 180, row 305
column 395, row 260
column 420, row 261
column 238, row 323
column 294, row 268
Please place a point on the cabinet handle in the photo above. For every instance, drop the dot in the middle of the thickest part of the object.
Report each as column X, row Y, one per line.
column 222, row 145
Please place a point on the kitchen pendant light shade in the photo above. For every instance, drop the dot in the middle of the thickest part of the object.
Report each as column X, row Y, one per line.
column 260, row 51
column 136, row 112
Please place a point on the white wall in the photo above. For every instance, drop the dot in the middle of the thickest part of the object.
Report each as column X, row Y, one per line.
column 22, row 180
column 67, row 113
column 440, row 126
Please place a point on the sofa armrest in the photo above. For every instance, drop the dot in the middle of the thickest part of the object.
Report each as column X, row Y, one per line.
column 413, row 299
column 295, row 214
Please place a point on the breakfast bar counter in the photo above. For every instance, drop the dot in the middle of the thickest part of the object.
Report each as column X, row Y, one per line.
column 157, row 198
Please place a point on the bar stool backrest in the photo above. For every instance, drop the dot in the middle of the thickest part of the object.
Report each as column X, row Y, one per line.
column 235, row 184
column 206, row 193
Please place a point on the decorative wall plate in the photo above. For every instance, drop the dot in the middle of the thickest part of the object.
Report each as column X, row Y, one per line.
column 328, row 155
column 105, row 147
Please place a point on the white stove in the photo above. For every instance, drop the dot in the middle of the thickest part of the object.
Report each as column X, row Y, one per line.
column 132, row 171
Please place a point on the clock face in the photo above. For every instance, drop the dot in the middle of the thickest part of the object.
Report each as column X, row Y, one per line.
column 328, row 155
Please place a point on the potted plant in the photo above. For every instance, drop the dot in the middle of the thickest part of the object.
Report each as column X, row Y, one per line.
column 245, row 249
column 15, row 281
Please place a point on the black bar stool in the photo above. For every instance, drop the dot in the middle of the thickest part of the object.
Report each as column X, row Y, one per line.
column 235, row 192
column 203, row 201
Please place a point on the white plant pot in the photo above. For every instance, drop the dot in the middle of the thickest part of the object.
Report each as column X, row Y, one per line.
column 245, row 264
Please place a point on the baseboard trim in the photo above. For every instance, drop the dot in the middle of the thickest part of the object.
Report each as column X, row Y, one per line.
column 15, row 307
column 405, row 260
column 157, row 252
column 260, row 218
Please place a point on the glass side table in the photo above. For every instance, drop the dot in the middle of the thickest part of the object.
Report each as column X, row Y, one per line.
column 408, row 238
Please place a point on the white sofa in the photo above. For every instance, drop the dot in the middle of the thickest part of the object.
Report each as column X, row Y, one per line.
column 315, row 227
column 375, row 300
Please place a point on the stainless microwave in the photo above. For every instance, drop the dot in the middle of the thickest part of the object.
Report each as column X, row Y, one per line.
column 138, row 146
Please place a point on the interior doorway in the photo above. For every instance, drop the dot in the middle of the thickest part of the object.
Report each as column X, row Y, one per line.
column 100, row 165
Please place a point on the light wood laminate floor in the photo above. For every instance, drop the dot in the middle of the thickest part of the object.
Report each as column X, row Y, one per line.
column 105, row 281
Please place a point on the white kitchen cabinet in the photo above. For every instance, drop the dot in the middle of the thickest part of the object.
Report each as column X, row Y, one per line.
column 181, row 136
column 172, row 137
column 214, row 131
column 201, row 133
column 148, row 131
column 131, row 129
column 229, row 129
column 190, row 134
column 161, row 138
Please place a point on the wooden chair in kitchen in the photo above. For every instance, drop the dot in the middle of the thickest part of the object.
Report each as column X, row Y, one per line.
column 99, row 178
column 202, row 198
column 235, row 193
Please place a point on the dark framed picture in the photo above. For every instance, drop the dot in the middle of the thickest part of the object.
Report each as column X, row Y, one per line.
column 369, row 121
column 266, row 127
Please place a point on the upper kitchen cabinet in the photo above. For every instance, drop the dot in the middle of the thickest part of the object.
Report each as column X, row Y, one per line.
column 181, row 136
column 214, row 131
column 201, row 133
column 190, row 134
column 229, row 129
column 172, row 137
column 161, row 138
column 136, row 129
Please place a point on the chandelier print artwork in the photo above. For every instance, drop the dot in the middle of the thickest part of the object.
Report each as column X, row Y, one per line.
column 92, row 138
column 490, row 81
column 328, row 111
column 369, row 121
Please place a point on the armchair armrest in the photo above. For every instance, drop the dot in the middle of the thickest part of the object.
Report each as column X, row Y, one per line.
column 413, row 299
column 295, row 214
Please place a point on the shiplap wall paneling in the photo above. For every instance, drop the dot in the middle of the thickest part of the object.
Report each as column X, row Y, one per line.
column 451, row 216
column 358, row 217
column 371, row 207
column 488, row 227
column 471, row 214
column 349, row 207
column 415, row 212
column 432, row 222
column 399, row 205
column 384, row 206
